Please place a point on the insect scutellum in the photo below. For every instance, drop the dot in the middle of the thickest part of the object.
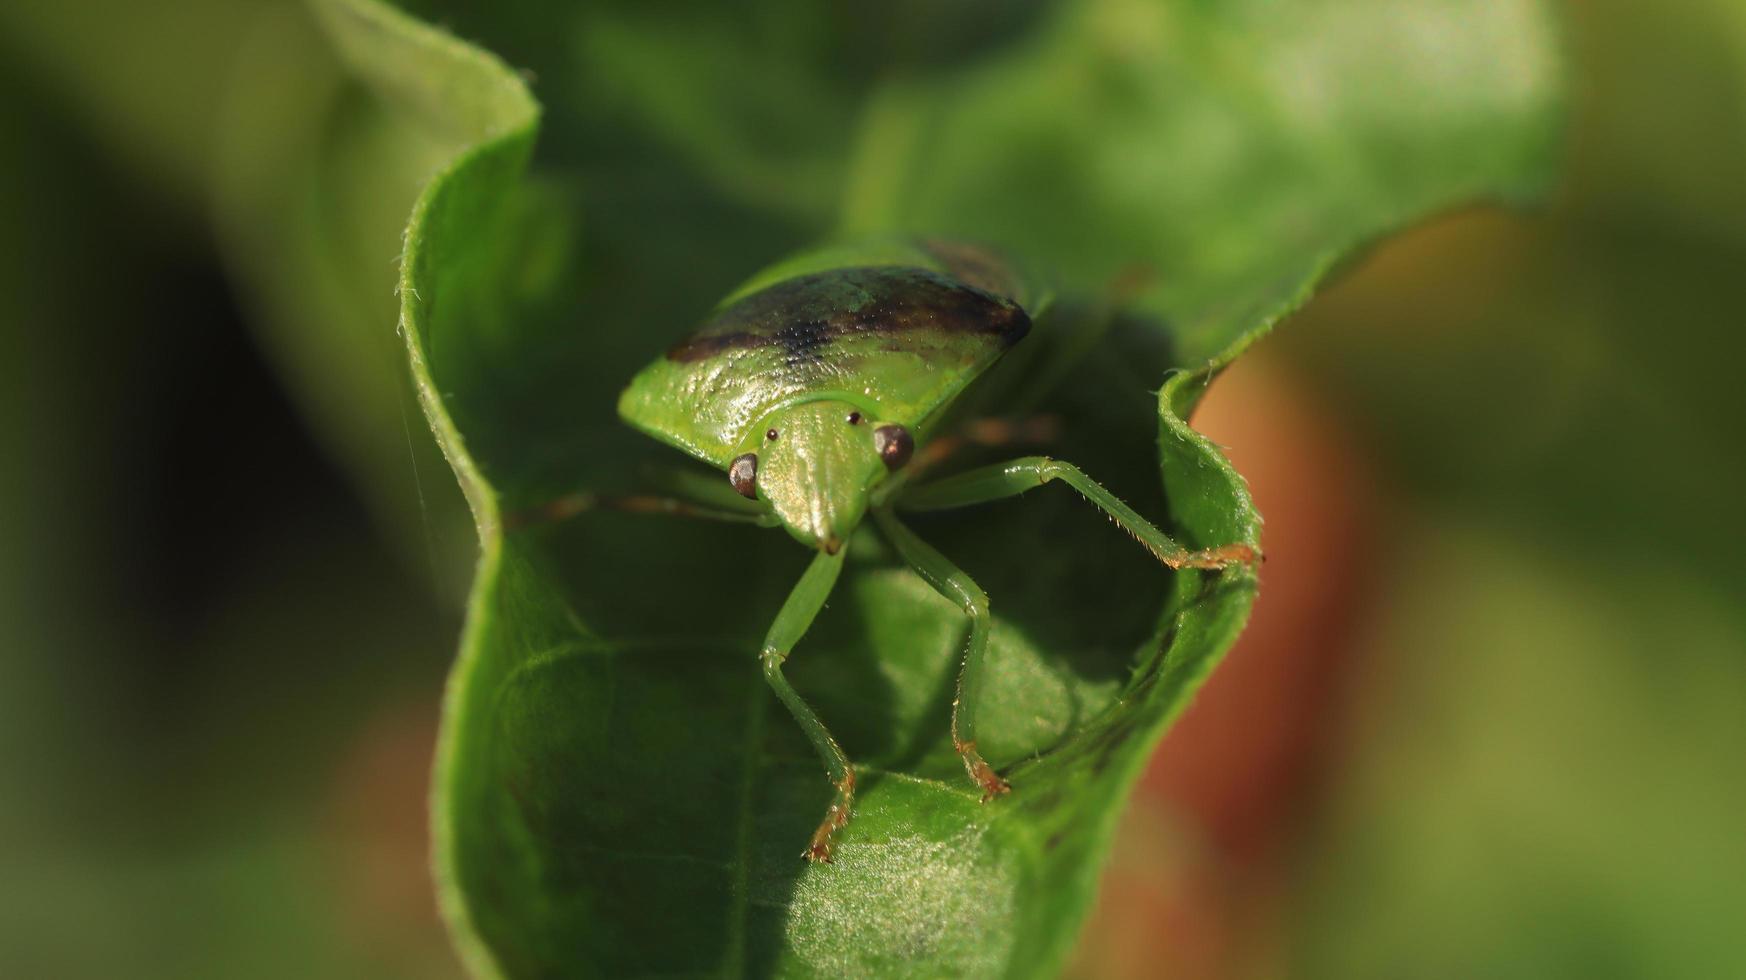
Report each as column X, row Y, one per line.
column 810, row 387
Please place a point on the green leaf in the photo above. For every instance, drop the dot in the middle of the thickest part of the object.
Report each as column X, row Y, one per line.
column 618, row 792
column 1231, row 151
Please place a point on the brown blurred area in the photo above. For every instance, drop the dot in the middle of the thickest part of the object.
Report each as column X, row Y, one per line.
column 1487, row 716
column 1473, row 711
column 1198, row 879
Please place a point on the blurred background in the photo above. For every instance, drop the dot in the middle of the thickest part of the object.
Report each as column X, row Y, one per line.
column 1488, row 719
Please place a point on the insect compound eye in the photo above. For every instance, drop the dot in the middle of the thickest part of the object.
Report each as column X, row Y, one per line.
column 743, row 474
column 894, row 444
column 854, row 418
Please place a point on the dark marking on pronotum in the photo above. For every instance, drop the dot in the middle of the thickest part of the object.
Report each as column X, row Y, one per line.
column 804, row 314
column 743, row 474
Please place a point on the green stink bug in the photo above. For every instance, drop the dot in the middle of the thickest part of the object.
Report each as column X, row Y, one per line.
column 819, row 388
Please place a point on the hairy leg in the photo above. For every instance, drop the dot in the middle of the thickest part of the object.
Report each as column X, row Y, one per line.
column 951, row 582
column 791, row 624
column 989, row 433
column 1017, row 476
column 677, row 493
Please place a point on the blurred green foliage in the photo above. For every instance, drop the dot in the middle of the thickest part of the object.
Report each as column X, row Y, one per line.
column 612, row 798
column 196, row 628
column 1544, row 776
column 1540, row 778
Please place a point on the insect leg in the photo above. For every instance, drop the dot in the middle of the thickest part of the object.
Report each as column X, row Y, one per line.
column 791, row 624
column 679, row 493
column 1015, row 477
column 950, row 581
column 986, row 432
column 989, row 432
column 572, row 504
